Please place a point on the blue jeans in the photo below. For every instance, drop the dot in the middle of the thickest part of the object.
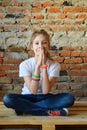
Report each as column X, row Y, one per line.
column 38, row 104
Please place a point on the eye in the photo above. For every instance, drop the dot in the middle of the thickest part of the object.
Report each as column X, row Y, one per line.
column 44, row 42
column 36, row 43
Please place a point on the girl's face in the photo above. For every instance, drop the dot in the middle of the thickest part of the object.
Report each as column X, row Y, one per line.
column 40, row 42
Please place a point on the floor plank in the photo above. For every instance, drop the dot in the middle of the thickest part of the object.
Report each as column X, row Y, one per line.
column 77, row 116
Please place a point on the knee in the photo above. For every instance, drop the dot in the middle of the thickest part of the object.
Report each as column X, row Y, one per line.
column 7, row 100
column 71, row 98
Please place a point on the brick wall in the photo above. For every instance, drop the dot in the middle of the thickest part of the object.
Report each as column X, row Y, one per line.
column 65, row 21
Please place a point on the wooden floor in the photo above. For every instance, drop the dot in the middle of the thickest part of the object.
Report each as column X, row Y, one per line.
column 77, row 116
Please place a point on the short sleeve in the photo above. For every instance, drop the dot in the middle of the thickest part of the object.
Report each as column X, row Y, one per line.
column 24, row 69
column 54, row 70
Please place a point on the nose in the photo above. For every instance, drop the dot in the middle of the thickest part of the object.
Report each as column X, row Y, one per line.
column 40, row 45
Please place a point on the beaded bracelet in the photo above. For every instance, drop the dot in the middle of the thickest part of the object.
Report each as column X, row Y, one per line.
column 44, row 66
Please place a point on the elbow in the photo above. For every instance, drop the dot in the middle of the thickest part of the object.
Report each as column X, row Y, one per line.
column 45, row 92
column 34, row 92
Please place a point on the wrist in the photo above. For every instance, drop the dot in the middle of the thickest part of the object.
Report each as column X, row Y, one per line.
column 44, row 66
column 37, row 67
column 37, row 70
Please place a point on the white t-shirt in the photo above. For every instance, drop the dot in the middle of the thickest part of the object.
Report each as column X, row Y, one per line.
column 27, row 67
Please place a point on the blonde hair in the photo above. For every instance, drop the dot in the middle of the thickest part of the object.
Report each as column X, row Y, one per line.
column 38, row 32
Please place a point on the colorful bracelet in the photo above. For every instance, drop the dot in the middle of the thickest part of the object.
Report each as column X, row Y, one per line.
column 44, row 66
column 35, row 79
column 35, row 76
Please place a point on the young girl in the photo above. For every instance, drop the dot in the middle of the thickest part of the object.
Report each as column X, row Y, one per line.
column 39, row 73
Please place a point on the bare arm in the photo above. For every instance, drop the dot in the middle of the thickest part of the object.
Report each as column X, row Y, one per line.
column 47, row 82
column 32, row 85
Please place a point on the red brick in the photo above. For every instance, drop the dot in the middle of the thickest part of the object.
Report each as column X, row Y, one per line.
column 16, row 9
column 77, row 60
column 77, row 9
column 75, row 53
column 58, row 3
column 2, row 54
column 85, row 9
column 13, row 74
column 84, row 67
column 65, row 66
column 81, row 16
column 60, row 59
column 65, row 53
column 74, row 60
column 1, row 61
column 68, row 22
column 83, row 53
column 76, row 48
column 52, row 22
column 10, row 27
column 39, row 16
column 37, row 4
column 5, row 80
column 71, row 16
column 5, row 67
column 85, row 48
column 80, row 79
column 53, row 10
column 24, row 3
column 77, row 93
column 77, row 73
column 75, row 66
column 2, row 16
column 75, row 86
column 1, row 10
column 17, row 3
column 28, row 16
column 62, row 16
column 85, row 93
column 5, row 87
column 15, row 49
column 63, row 87
column 77, row 22
column 6, row 2
column 53, row 53
column 65, row 27
column 36, row 10
column 51, row 17
column 85, row 60
column 47, row 4
column 2, row 73
column 8, row 67
column 68, row 9
column 13, row 61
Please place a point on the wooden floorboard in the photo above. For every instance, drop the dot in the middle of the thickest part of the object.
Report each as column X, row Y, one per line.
column 77, row 116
